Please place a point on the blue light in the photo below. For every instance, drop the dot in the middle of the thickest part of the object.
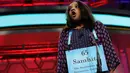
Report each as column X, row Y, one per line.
column 31, row 19
column 113, row 20
column 58, row 18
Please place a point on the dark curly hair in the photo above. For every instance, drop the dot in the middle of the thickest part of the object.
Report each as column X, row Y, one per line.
column 86, row 17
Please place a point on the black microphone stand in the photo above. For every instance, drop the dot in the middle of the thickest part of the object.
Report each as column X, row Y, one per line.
column 99, row 67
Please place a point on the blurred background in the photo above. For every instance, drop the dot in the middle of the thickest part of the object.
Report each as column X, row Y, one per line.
column 29, row 32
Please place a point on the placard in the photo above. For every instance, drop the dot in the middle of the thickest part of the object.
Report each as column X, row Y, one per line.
column 84, row 60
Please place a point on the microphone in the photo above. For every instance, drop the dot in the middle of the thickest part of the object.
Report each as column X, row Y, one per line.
column 99, row 64
column 81, row 35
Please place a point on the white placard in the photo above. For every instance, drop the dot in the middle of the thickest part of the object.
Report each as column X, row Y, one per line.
column 84, row 60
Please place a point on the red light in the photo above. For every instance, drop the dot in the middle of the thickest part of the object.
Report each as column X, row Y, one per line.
column 21, row 3
column 1, row 57
column 99, row 3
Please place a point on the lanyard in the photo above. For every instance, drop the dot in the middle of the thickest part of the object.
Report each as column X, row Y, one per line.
column 69, row 38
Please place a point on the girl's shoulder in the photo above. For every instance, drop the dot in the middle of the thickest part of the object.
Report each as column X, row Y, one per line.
column 99, row 25
column 64, row 32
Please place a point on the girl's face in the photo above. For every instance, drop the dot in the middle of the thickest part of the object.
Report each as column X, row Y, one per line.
column 74, row 11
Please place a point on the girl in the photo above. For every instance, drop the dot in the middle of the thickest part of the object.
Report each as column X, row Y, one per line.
column 80, row 20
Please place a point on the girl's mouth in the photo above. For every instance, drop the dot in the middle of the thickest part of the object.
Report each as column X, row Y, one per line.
column 73, row 14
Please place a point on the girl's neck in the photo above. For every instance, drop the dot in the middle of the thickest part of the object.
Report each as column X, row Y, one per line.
column 79, row 27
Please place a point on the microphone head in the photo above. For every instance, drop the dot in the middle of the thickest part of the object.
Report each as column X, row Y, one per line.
column 81, row 35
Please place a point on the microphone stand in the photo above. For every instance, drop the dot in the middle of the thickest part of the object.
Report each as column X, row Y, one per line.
column 99, row 67
column 99, row 63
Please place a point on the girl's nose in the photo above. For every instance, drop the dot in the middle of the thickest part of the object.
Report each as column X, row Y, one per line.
column 73, row 9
